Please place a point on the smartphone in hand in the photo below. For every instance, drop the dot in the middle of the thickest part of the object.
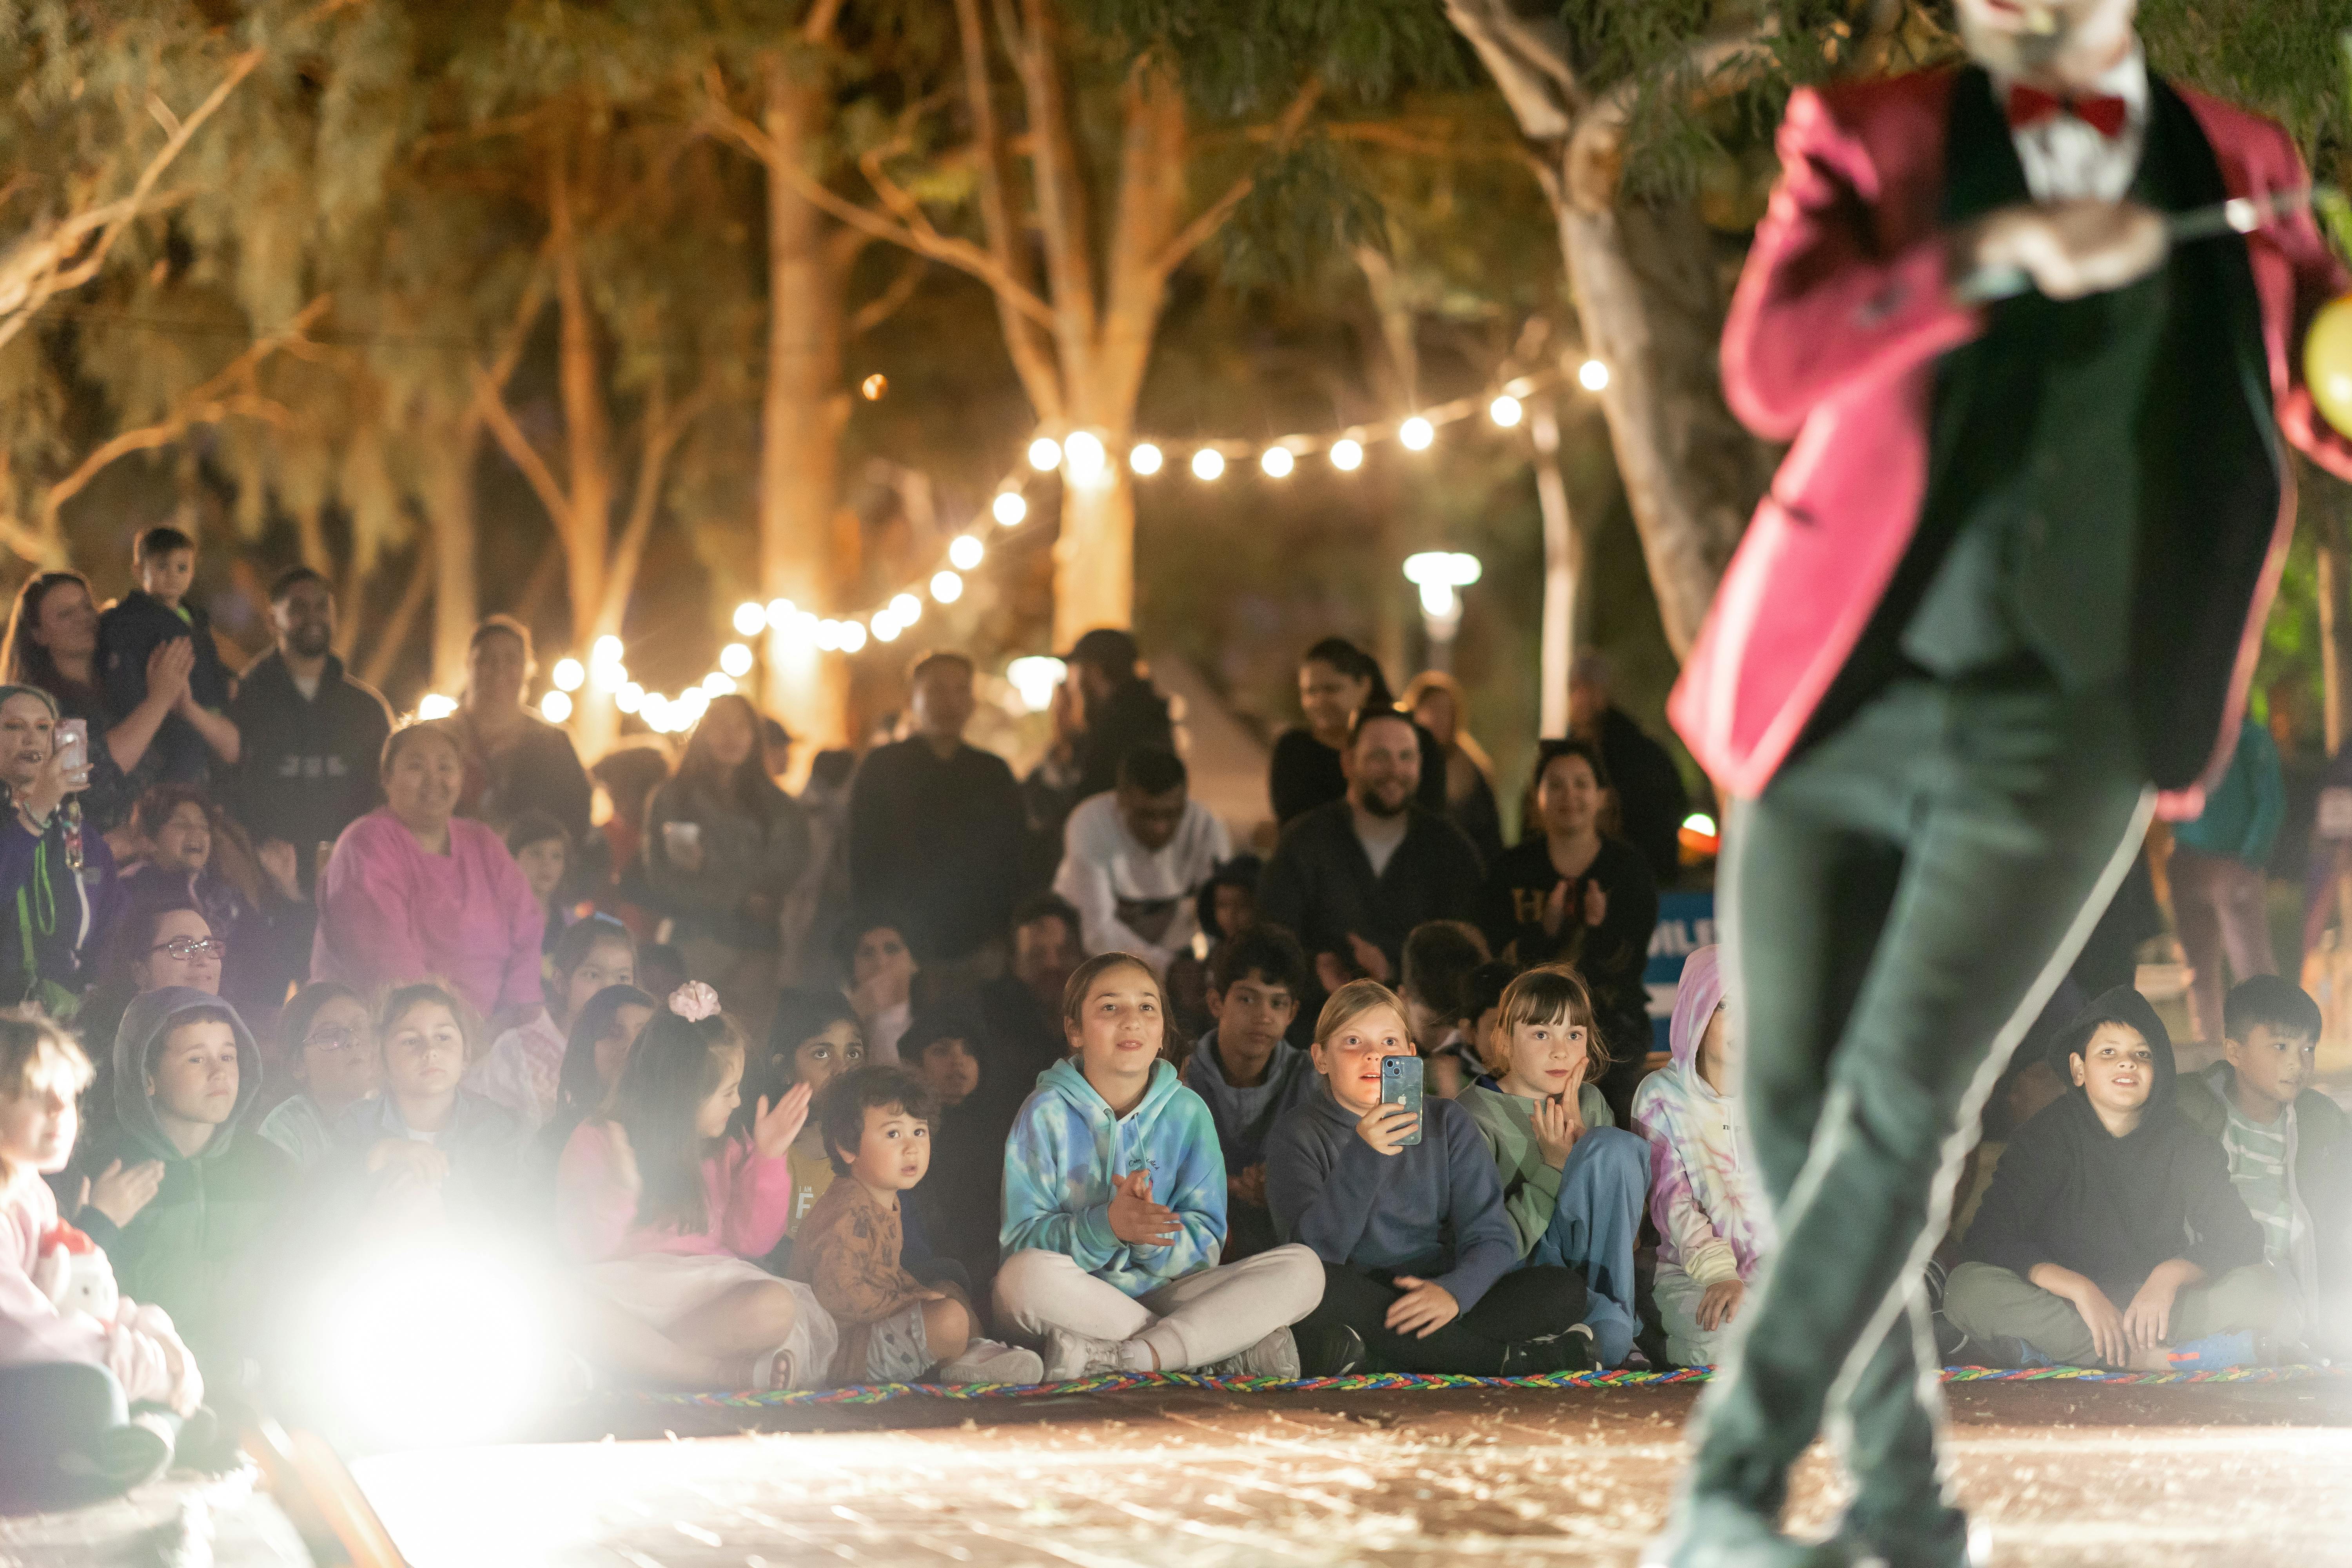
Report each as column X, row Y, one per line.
column 1401, row 1084
column 73, row 745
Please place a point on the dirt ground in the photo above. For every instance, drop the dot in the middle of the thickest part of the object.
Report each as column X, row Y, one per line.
column 2055, row 1474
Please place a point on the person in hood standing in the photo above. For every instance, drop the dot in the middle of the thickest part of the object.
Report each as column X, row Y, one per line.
column 1114, row 1209
column 186, row 1073
column 1714, row 1222
column 2111, row 1233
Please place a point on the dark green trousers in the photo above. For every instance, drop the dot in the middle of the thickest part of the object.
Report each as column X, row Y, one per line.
column 1898, row 905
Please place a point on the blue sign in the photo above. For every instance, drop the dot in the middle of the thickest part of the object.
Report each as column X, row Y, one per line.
column 1686, row 925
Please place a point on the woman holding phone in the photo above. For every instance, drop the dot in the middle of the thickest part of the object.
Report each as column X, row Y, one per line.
column 1418, row 1253
column 52, row 644
column 54, row 867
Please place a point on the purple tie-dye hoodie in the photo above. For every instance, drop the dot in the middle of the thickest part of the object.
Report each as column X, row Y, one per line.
column 1712, row 1221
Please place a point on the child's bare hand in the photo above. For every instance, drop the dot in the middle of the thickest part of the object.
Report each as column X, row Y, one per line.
column 283, row 864
column 168, row 669
column 406, row 1160
column 1423, row 1308
column 119, row 1195
column 1721, row 1303
column 2110, row 1340
column 1386, row 1127
column 1557, row 1126
column 1249, row 1186
column 1135, row 1219
column 774, row 1127
column 2148, row 1318
column 1330, row 971
column 1369, row 958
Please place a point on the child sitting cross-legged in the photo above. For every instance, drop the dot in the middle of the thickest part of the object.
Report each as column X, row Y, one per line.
column 1418, row 1257
column 1114, row 1209
column 1572, row 1179
column 94, row 1385
column 1246, row 1071
column 427, row 1149
column 665, row 1212
column 2111, row 1234
column 894, row 1328
column 2288, row 1144
column 1714, row 1225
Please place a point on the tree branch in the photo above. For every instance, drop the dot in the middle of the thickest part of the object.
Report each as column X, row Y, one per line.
column 886, row 304
column 665, row 427
column 1529, row 59
column 1022, row 342
column 491, row 404
column 394, row 635
column 1710, row 68
column 1194, row 234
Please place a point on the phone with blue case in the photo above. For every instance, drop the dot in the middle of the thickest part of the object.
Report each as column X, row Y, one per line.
column 1400, row 1085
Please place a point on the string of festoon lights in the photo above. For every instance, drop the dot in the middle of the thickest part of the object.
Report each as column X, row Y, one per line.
column 1084, row 461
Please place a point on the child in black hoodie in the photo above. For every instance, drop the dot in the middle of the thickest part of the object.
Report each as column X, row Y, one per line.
column 2111, row 1233
column 143, row 620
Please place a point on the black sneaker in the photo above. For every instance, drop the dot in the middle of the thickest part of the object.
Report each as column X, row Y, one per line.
column 1328, row 1350
column 1568, row 1351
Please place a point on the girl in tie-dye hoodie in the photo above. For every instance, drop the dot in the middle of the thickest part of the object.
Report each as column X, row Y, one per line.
column 1714, row 1225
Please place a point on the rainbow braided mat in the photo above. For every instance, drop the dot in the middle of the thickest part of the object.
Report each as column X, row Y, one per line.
column 1393, row 1381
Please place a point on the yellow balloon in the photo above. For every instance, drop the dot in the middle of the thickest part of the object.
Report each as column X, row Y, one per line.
column 2327, row 363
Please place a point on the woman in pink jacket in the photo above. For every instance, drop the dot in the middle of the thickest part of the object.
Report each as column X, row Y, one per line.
column 76, row 1359
column 415, row 891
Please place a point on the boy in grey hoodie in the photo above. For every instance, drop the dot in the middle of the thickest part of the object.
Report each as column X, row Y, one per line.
column 1246, row 1071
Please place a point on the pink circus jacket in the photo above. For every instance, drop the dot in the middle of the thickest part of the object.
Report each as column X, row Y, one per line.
column 1841, row 314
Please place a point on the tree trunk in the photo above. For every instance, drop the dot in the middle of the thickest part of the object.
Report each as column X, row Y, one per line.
column 447, row 491
column 1563, row 565
column 1652, row 311
column 1094, row 558
column 802, row 412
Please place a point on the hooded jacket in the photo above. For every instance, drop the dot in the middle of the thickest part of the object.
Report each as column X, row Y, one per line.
column 1706, row 1197
column 1066, row 1150
column 2069, row 1192
column 194, row 1250
column 1246, row 1116
column 2318, row 1181
column 1433, row 1209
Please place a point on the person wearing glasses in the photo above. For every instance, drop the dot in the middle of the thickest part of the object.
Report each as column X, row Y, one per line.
column 159, row 939
column 327, row 1043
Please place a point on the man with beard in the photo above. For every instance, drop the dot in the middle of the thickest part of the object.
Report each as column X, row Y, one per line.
column 313, row 736
column 2002, row 600
column 1354, row 876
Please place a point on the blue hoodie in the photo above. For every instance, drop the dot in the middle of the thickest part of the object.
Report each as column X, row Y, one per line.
column 1066, row 1150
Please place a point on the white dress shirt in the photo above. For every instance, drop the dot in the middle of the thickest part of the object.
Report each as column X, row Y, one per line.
column 2066, row 159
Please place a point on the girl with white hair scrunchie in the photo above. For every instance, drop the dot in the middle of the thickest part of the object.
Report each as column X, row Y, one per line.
column 665, row 1213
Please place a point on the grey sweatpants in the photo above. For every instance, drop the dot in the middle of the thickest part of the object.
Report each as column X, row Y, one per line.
column 1986, row 1303
column 1202, row 1317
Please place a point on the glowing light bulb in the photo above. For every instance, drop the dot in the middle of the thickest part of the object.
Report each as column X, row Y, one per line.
column 778, row 612
column 735, row 659
column 1347, row 455
column 630, row 697
column 1505, row 411
column 555, row 708
column 1044, row 454
column 946, row 587
column 886, row 626
column 1417, row 433
column 717, row 684
column 828, row 636
column 1009, row 508
column 569, row 675
column 906, row 609
column 853, row 635
column 1593, row 375
column 874, row 386
column 963, row 553
column 1145, row 459
column 433, row 705
column 1208, row 463
column 749, row 617
column 1277, row 462
column 606, row 651
column 1089, row 464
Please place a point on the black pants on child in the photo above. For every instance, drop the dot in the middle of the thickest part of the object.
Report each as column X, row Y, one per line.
column 1526, row 1304
column 61, row 1426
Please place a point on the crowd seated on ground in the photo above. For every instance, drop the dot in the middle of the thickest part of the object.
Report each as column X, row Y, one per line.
column 928, row 1137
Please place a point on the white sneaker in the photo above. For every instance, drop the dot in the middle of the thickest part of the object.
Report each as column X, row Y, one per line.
column 1276, row 1355
column 986, row 1361
column 1070, row 1356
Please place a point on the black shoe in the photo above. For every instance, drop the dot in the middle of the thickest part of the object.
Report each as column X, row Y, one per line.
column 1568, row 1351
column 207, row 1444
column 1328, row 1350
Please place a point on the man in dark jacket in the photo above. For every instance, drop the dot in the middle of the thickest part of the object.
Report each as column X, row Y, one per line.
column 313, row 736
column 2288, row 1145
column 1651, row 801
column 935, row 827
column 2111, row 1233
column 1352, row 878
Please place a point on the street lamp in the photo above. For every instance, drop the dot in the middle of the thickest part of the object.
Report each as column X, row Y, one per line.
column 1438, row 574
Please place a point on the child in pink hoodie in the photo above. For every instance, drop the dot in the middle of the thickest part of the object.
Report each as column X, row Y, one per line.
column 1714, row 1226
column 94, row 1387
column 664, row 1213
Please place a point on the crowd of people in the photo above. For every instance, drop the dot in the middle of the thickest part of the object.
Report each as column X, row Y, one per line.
column 863, row 1085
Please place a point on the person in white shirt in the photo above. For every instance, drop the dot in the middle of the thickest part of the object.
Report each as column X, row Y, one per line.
column 1134, row 859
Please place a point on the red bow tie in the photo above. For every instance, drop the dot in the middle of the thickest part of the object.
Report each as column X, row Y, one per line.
column 2102, row 113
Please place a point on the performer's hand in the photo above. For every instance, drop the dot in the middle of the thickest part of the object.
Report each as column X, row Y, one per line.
column 1423, row 1308
column 1721, row 1303
column 2070, row 248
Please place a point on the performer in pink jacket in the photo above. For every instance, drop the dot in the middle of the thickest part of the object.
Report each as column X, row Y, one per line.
column 2004, row 596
